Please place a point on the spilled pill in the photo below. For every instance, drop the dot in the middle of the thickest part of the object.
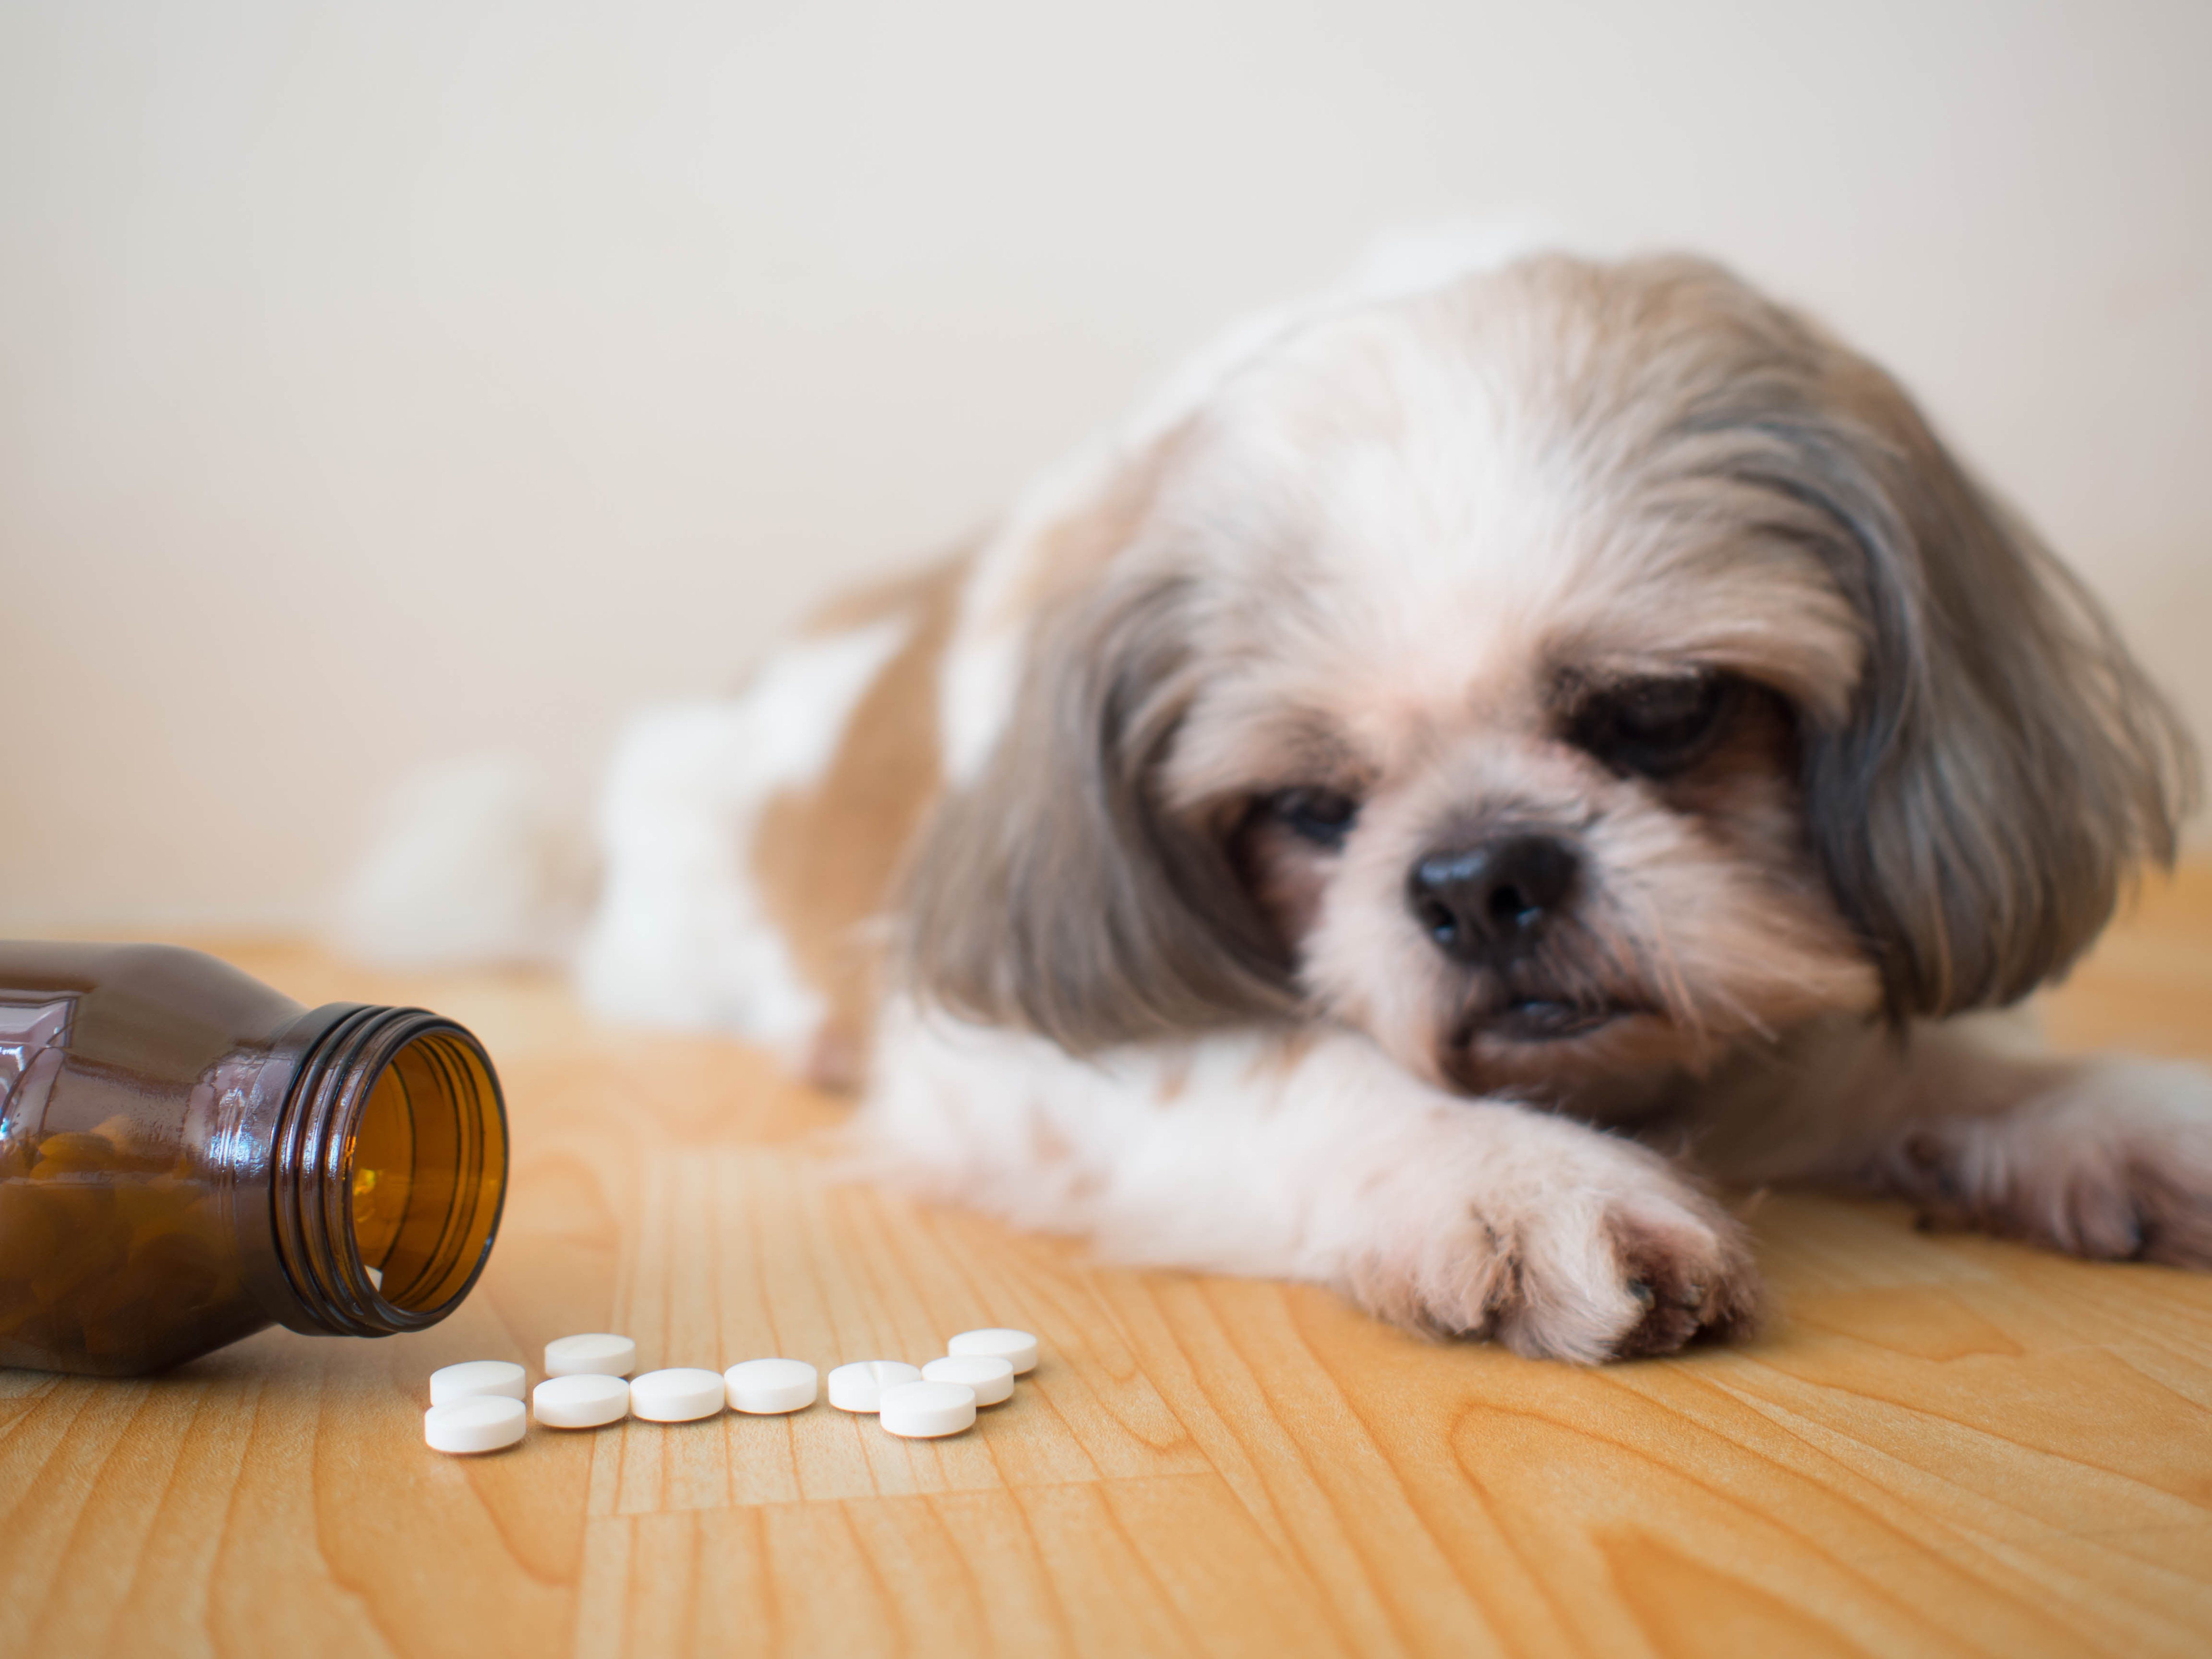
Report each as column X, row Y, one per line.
column 767, row 1386
column 860, row 1386
column 923, row 1411
column 991, row 1378
column 478, row 1405
column 599, row 1354
column 475, row 1378
column 1018, row 1348
column 478, row 1423
column 581, row 1401
column 676, row 1395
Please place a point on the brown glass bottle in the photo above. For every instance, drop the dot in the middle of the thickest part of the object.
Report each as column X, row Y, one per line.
column 186, row 1157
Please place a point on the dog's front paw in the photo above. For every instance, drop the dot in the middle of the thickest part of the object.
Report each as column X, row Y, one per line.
column 2116, row 1165
column 1605, row 1254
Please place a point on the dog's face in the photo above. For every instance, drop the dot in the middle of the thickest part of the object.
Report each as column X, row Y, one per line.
column 1506, row 755
column 1501, row 723
column 1567, row 677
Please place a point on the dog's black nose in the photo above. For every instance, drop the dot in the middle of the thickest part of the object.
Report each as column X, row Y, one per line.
column 1489, row 903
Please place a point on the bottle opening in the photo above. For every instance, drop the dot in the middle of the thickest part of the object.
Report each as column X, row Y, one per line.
column 426, row 1170
column 391, row 1170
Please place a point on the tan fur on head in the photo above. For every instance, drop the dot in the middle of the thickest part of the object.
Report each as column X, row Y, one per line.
column 1412, row 557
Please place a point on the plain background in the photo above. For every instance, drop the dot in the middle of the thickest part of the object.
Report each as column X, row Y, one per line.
column 384, row 382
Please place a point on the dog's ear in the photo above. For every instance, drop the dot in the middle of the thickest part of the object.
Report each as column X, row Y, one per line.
column 1055, row 890
column 2006, row 765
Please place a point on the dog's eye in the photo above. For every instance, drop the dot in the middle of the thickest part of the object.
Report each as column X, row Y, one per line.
column 1655, row 726
column 1323, row 817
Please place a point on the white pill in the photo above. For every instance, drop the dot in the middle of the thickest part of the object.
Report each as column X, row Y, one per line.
column 923, row 1411
column 860, row 1386
column 596, row 1355
column 992, row 1379
column 479, row 1423
column 582, row 1401
column 678, row 1395
column 1018, row 1348
column 476, row 1378
column 767, row 1387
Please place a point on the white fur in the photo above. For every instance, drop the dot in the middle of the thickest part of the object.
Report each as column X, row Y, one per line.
column 680, row 937
column 977, row 678
column 1319, row 1160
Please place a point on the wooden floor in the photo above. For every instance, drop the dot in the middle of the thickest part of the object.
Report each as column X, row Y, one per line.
column 1946, row 1445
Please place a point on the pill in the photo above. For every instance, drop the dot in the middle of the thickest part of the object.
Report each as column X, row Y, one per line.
column 474, row 1378
column 860, row 1386
column 1018, row 1348
column 478, row 1423
column 676, row 1396
column 596, row 1355
column 991, row 1378
column 581, row 1401
column 766, row 1386
column 923, row 1411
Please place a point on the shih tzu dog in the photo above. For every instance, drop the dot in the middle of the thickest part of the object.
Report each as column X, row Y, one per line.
column 1463, row 769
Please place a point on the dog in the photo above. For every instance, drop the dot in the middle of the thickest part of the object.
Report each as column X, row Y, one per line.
column 1461, row 770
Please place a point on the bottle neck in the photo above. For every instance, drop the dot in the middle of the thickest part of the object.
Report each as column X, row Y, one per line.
column 388, row 1170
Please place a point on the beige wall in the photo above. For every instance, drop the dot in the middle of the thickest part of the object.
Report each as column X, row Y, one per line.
column 380, row 382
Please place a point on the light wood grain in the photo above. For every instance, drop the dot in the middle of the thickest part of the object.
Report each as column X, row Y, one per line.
column 1946, row 1445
